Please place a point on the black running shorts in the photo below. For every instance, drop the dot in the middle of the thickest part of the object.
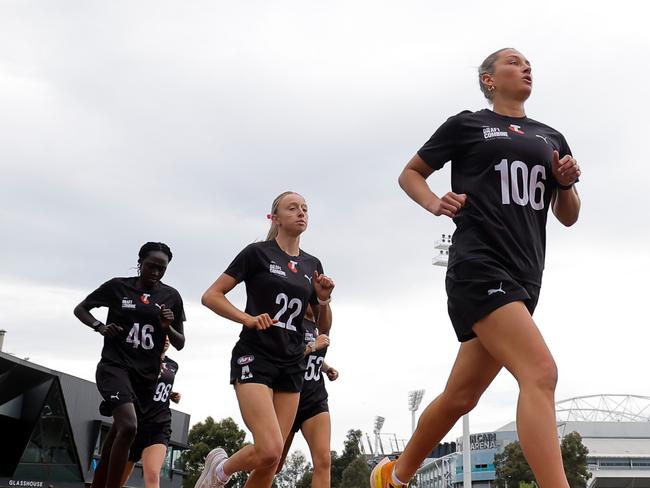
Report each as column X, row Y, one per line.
column 149, row 435
column 477, row 288
column 306, row 412
column 250, row 368
column 117, row 386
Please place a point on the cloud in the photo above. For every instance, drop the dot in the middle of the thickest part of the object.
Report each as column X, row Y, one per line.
column 128, row 123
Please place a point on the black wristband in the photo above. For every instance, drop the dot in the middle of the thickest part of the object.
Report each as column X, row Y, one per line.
column 96, row 325
column 567, row 187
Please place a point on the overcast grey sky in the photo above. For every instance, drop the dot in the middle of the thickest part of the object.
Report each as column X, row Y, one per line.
column 180, row 121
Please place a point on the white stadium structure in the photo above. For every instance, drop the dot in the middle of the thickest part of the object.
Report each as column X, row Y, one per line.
column 615, row 429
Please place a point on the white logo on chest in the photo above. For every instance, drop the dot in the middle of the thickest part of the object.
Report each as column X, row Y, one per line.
column 276, row 269
column 495, row 132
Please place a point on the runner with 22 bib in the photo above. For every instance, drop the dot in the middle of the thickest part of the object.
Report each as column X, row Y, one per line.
column 267, row 365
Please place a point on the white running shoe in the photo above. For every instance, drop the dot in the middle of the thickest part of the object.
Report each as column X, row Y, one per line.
column 208, row 478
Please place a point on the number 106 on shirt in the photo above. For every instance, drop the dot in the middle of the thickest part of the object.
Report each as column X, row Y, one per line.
column 532, row 189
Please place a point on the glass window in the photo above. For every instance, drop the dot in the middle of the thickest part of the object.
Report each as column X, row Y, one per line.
column 166, row 471
column 177, row 462
column 50, row 453
column 103, row 432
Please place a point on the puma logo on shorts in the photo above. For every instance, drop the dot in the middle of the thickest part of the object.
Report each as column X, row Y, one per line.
column 492, row 291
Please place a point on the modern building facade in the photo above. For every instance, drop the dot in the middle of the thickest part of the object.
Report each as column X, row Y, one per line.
column 51, row 430
column 615, row 429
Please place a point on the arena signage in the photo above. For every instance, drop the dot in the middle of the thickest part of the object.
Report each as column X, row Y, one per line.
column 483, row 441
column 479, row 442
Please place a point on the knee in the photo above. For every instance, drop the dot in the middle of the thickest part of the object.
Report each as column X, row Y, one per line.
column 322, row 461
column 151, row 478
column 547, row 376
column 268, row 455
column 460, row 402
column 127, row 428
column 543, row 376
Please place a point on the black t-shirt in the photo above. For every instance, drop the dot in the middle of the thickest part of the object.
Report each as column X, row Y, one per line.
column 503, row 164
column 280, row 285
column 139, row 347
column 158, row 411
column 313, row 389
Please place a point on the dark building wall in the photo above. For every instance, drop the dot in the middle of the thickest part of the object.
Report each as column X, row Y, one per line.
column 81, row 400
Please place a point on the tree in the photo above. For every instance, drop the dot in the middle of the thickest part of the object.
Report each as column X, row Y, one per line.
column 574, row 457
column 294, row 471
column 205, row 436
column 350, row 453
column 512, row 468
column 305, row 481
column 356, row 474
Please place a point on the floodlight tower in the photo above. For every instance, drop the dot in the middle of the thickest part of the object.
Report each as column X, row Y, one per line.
column 415, row 397
column 442, row 259
column 379, row 423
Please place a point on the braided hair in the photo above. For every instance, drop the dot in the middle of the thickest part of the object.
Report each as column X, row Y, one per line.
column 151, row 247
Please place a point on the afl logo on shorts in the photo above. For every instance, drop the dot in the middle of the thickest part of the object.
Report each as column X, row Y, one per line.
column 249, row 358
column 293, row 266
column 144, row 298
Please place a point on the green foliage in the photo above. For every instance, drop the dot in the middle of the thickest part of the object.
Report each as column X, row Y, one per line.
column 574, row 457
column 350, row 453
column 511, row 466
column 305, row 481
column 349, row 470
column 294, row 471
column 356, row 474
column 512, row 469
column 205, row 436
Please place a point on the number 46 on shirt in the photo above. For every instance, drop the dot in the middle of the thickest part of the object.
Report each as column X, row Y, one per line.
column 142, row 337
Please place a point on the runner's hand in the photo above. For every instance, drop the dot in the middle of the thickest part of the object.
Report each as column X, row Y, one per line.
column 566, row 170
column 110, row 330
column 166, row 316
column 332, row 374
column 449, row 205
column 260, row 322
column 323, row 285
column 322, row 341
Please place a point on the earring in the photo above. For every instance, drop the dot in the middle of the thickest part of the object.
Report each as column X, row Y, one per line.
column 492, row 88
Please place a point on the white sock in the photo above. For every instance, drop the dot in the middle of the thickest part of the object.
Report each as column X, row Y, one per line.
column 395, row 479
column 221, row 476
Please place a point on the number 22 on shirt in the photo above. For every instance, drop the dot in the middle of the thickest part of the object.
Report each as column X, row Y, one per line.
column 294, row 305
